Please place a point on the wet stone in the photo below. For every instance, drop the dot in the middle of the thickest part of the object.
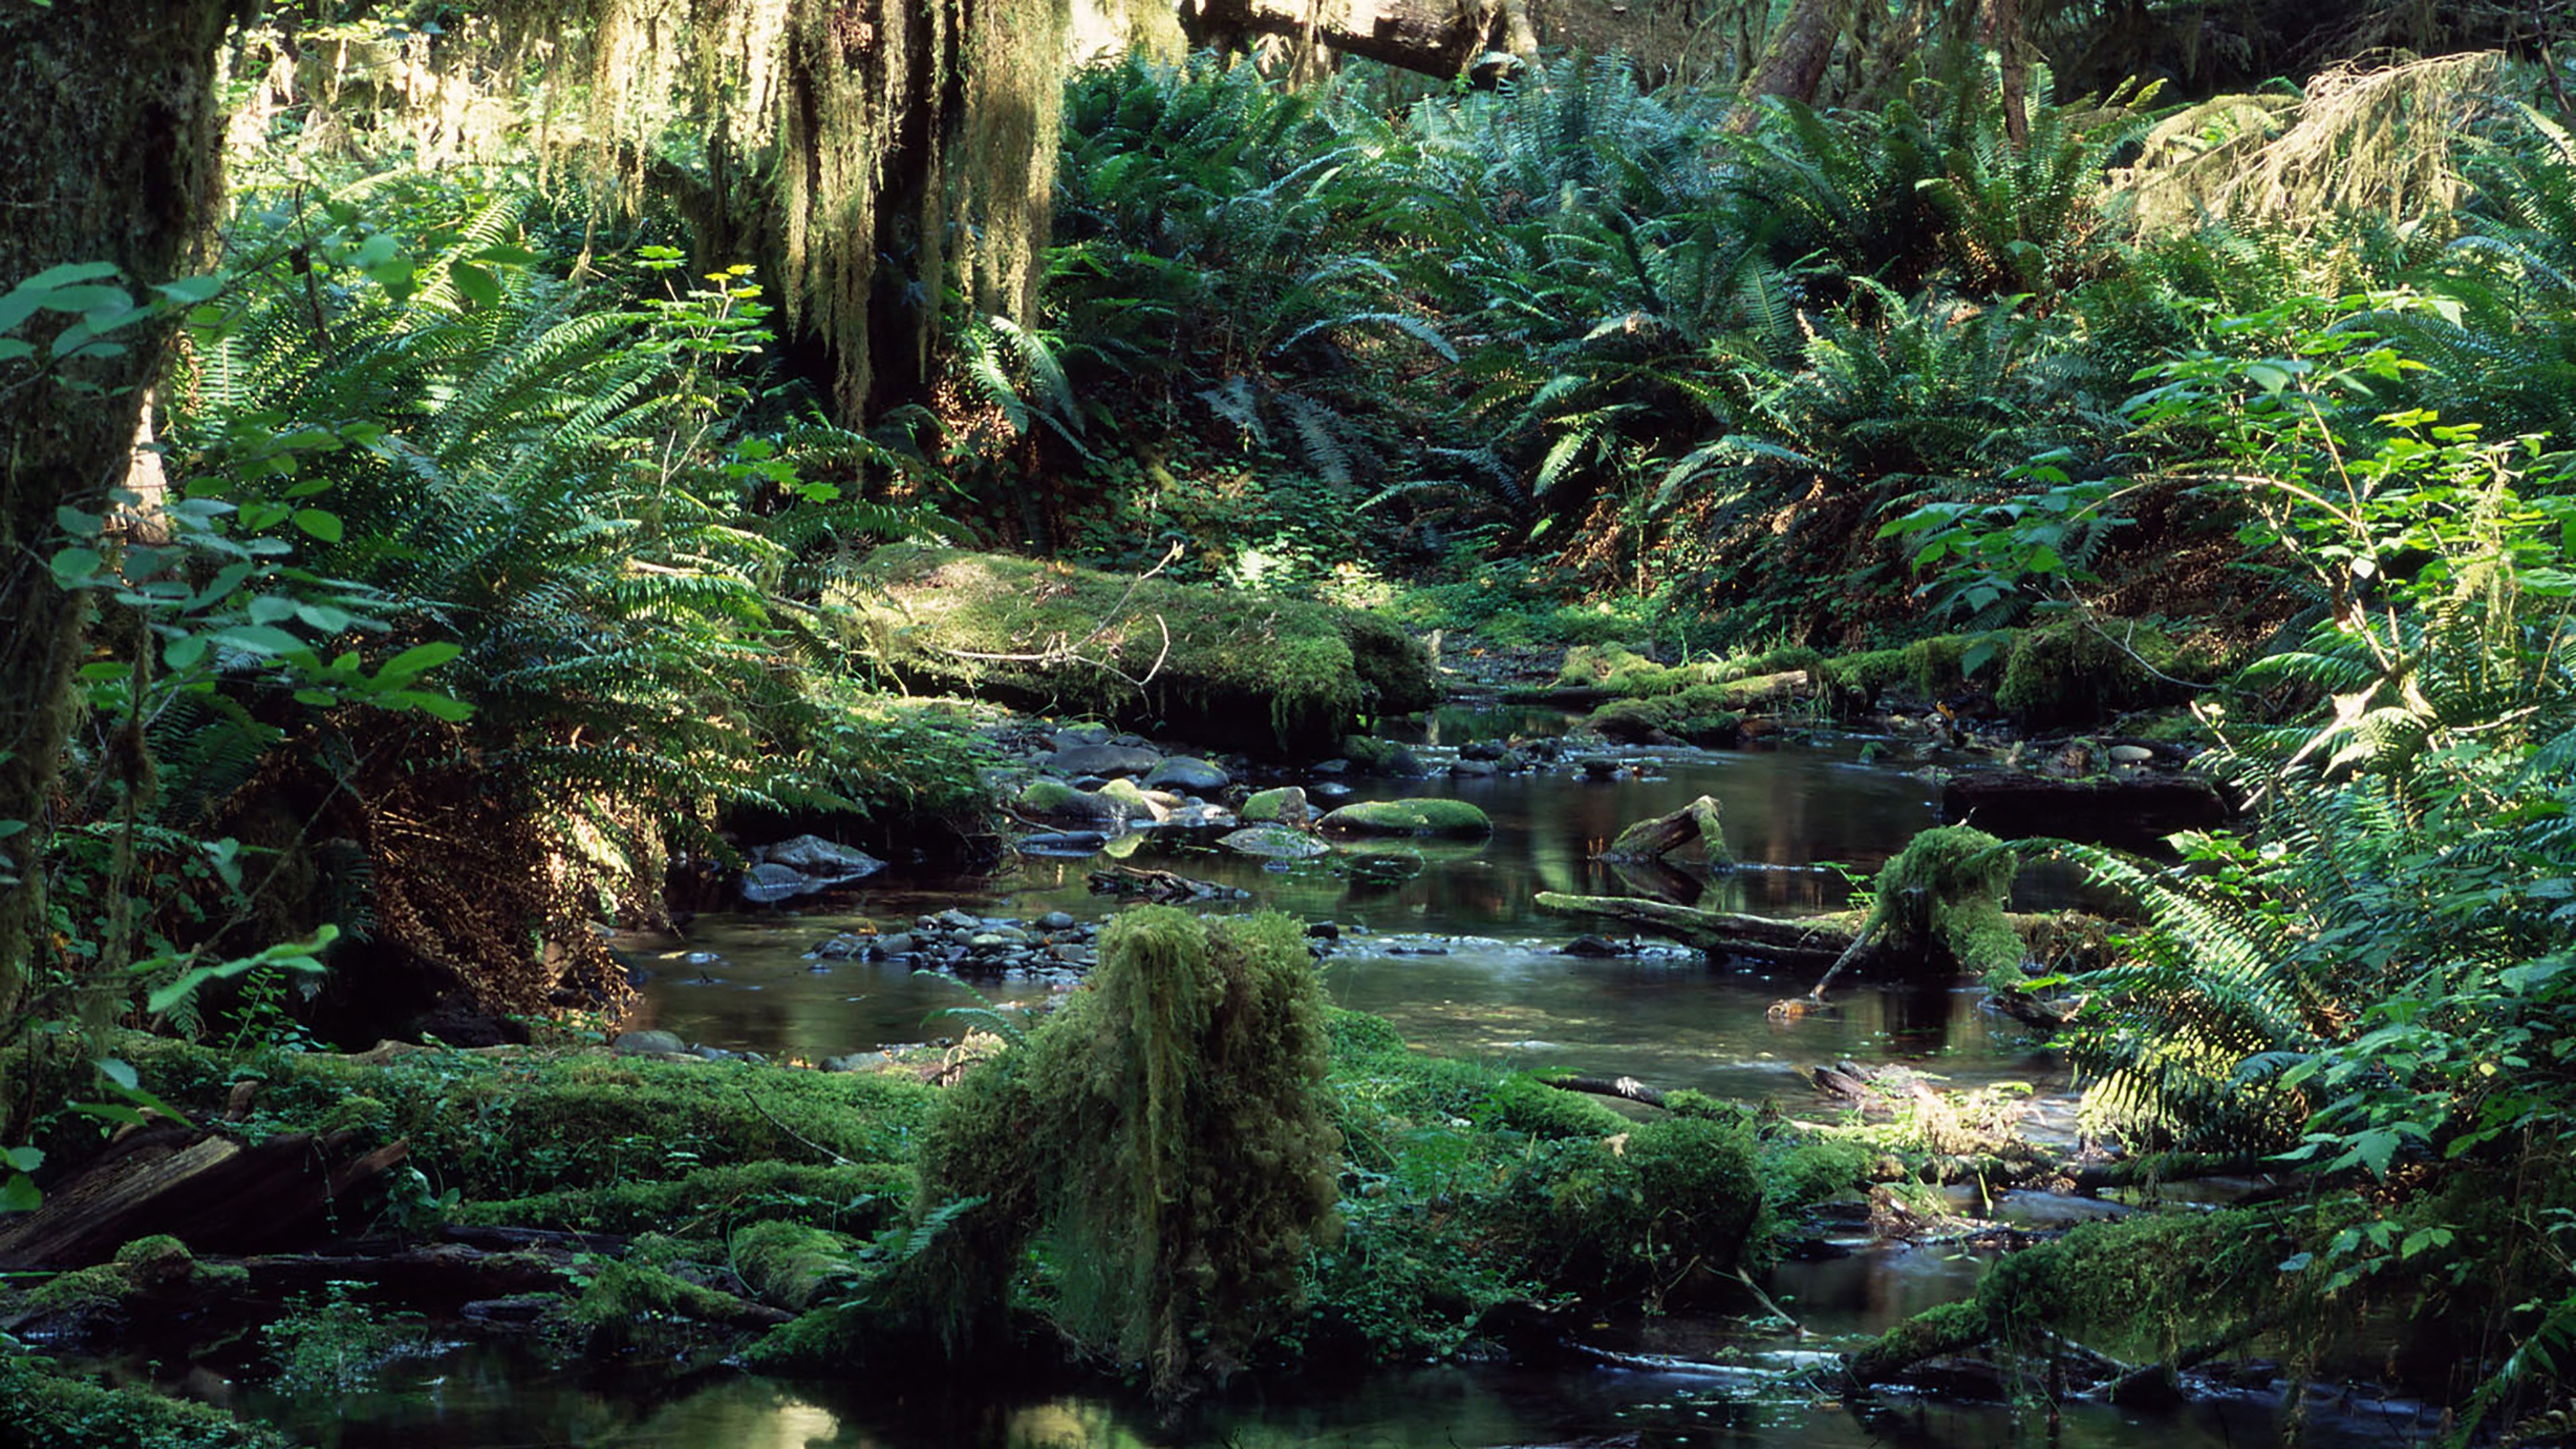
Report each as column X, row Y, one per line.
column 857, row 1062
column 1056, row 921
column 1103, row 760
column 1487, row 750
column 1184, row 772
column 649, row 1044
column 899, row 944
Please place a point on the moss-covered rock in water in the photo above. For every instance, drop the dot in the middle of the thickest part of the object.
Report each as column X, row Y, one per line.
column 1273, row 842
column 1165, row 1132
column 1409, row 817
column 1152, row 655
column 1058, row 803
column 140, row 1269
column 1283, row 806
column 60, row 1411
column 1629, row 1210
column 1943, row 895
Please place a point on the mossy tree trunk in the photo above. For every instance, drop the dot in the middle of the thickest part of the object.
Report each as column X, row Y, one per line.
column 107, row 130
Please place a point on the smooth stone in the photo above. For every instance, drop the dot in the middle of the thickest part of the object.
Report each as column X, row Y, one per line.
column 1481, row 750
column 1599, row 767
column 2130, row 754
column 857, row 1062
column 1473, row 769
column 1324, row 931
column 1074, row 737
column 1283, row 806
column 1588, row 946
column 802, row 866
column 999, row 936
column 648, row 1044
column 838, row 948
column 1274, row 842
column 1187, row 772
column 1202, row 817
column 1329, row 790
column 1103, row 760
column 899, row 944
column 1056, row 921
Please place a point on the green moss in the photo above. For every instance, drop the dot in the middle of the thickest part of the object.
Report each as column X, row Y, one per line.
column 630, row 1305
column 1164, row 1131
column 60, row 1411
column 1810, row 1168
column 1702, row 714
column 1055, row 799
column 1944, row 895
column 2075, row 674
column 1526, row 1104
column 1265, row 807
column 1924, row 668
column 856, row 1198
column 1223, row 664
column 1949, row 1328
column 139, row 1267
column 789, row 1265
column 1619, row 1215
column 1410, row 817
column 1373, row 756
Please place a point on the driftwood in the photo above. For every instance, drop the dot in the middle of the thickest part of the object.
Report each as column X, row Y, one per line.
column 1701, row 822
column 1624, row 1088
column 214, row 1193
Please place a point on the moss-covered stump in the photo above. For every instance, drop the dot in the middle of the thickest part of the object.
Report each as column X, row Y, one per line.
column 1152, row 655
column 1942, row 898
column 1456, row 818
column 1164, row 1132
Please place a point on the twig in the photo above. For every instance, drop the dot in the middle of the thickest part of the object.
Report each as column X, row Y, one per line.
column 792, row 1132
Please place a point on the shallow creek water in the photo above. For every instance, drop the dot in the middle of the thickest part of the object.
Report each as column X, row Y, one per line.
column 1459, row 959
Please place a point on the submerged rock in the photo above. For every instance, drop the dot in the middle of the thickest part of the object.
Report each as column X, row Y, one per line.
column 1274, row 842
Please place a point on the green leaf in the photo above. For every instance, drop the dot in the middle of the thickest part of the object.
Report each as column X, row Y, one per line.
column 119, row 1071
column 24, row 1159
column 477, row 284
column 77, row 568
column 18, row 1195
column 417, row 660
column 259, row 639
column 320, row 523
column 189, row 291
column 436, row 706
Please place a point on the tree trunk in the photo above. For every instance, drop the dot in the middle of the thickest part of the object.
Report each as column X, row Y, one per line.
column 108, row 126
column 2003, row 36
column 1794, row 63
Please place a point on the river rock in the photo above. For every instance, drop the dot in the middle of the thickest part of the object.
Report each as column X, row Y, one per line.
column 1599, row 767
column 839, row 948
column 1409, row 817
column 1201, row 817
column 802, row 866
column 1274, row 842
column 1103, row 760
column 1187, row 773
column 648, row 1044
column 2130, row 754
column 1139, row 804
column 901, row 943
column 1481, row 750
column 1283, row 806
column 1055, row 800
column 1074, row 737
column 1327, row 790
column 1474, row 769
column 857, row 1062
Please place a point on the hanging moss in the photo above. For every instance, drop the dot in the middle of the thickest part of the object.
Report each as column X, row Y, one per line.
column 1944, row 895
column 1164, row 1133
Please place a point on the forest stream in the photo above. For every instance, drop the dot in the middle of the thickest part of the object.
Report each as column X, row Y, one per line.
column 1457, row 958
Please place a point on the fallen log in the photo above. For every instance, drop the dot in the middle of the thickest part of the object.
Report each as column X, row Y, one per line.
column 2066, row 940
column 209, row 1190
column 2131, row 808
column 1701, row 821
column 1625, row 1088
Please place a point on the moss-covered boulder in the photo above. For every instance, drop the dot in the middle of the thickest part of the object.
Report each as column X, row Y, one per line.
column 1273, row 842
column 1409, row 817
column 1152, row 655
column 1702, row 715
column 1283, row 806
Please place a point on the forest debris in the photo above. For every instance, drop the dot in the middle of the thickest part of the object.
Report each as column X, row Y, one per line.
column 1702, row 820
column 209, row 1189
column 1161, row 887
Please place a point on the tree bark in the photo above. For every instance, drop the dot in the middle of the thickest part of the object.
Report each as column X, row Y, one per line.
column 1432, row 37
column 1793, row 65
column 108, row 124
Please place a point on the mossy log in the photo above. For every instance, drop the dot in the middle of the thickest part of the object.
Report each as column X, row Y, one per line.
column 1702, row 820
column 211, row 1190
column 1146, row 653
column 1814, row 940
